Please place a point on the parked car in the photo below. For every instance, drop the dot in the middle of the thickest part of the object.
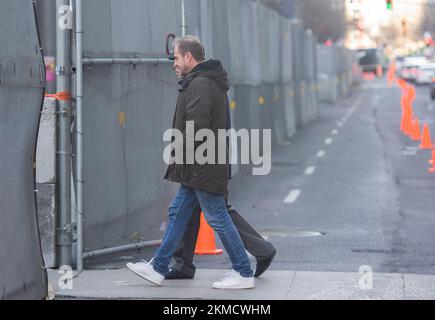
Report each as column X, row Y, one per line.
column 409, row 68
column 368, row 59
column 399, row 62
column 425, row 74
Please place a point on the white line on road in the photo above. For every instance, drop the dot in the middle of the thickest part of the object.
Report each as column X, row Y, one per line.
column 409, row 153
column 292, row 196
column 309, row 171
column 334, row 132
column 339, row 124
column 328, row 141
column 320, row 154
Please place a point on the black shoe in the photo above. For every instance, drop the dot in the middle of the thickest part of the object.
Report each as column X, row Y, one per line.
column 174, row 274
column 263, row 264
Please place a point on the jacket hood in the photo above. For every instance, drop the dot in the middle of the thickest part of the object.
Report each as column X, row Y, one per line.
column 211, row 69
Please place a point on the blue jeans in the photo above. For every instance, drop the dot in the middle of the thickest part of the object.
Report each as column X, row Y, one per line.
column 215, row 212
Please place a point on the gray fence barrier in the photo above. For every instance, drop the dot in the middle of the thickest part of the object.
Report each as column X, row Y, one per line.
column 22, row 81
column 337, row 71
column 274, row 75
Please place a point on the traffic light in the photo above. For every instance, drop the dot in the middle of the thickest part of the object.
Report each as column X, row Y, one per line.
column 389, row 4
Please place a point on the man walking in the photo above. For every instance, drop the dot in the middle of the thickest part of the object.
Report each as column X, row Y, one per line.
column 203, row 100
column 255, row 244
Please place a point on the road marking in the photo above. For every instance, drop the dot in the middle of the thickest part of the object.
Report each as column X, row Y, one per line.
column 339, row 124
column 334, row 132
column 375, row 86
column 328, row 141
column 409, row 153
column 320, row 154
column 309, row 171
column 292, row 196
column 344, row 119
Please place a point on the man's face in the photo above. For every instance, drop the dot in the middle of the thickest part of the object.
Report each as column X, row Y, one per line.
column 182, row 64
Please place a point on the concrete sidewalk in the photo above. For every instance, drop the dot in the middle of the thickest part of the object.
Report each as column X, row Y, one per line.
column 273, row 285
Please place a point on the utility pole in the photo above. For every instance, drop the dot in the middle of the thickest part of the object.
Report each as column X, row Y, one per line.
column 63, row 145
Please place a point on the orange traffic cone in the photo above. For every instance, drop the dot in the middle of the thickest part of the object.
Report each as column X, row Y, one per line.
column 408, row 125
column 426, row 142
column 206, row 243
column 432, row 161
column 411, row 93
column 403, row 103
column 403, row 122
column 401, row 83
column 416, row 134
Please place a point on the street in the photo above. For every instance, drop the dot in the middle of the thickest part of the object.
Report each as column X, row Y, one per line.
column 370, row 197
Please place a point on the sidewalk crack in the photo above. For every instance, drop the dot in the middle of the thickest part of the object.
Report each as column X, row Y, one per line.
column 291, row 284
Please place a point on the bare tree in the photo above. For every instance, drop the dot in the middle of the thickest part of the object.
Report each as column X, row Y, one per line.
column 326, row 18
column 428, row 22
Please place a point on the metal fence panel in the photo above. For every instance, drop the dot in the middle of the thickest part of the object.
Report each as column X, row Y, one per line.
column 251, row 56
column 274, row 42
column 234, row 36
column 220, row 30
column 311, row 108
column 206, row 26
column 287, row 94
column 286, row 51
column 123, row 154
column 126, row 111
column 193, row 16
column 129, row 26
column 269, row 44
column 310, row 54
column 298, row 46
column 22, row 81
column 279, row 129
column 298, row 51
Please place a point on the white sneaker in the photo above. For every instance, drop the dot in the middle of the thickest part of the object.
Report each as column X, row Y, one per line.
column 146, row 271
column 233, row 280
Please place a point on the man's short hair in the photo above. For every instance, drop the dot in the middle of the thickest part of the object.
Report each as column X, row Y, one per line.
column 190, row 44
